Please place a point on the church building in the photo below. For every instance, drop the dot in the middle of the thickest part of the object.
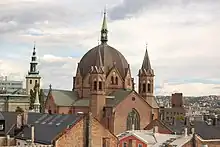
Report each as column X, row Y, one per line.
column 104, row 86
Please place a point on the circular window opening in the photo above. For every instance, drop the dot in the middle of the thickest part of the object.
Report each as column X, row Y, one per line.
column 133, row 98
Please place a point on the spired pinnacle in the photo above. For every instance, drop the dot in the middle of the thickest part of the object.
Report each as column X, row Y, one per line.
column 104, row 30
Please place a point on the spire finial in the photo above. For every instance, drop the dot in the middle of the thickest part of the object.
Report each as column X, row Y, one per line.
column 34, row 45
column 50, row 86
column 104, row 30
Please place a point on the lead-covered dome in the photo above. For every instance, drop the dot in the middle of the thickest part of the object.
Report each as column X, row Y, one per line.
column 110, row 57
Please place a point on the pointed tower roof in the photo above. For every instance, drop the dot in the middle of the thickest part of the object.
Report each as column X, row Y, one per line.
column 104, row 30
column 146, row 62
column 104, row 23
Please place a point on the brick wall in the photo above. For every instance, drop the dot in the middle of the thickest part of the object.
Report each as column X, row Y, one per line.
column 122, row 110
column 72, row 137
column 200, row 142
column 75, row 136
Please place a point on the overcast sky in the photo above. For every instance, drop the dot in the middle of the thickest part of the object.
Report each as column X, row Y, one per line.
column 183, row 39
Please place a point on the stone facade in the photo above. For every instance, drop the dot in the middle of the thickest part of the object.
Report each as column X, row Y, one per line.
column 76, row 135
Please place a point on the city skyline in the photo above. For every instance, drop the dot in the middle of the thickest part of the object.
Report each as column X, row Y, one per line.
column 182, row 38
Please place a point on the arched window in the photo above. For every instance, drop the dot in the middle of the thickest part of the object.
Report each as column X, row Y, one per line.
column 116, row 80
column 100, row 85
column 112, row 80
column 95, row 85
column 133, row 119
column 148, row 87
column 144, row 87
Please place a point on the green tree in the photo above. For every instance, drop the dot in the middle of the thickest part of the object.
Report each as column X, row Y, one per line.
column 19, row 110
column 33, row 96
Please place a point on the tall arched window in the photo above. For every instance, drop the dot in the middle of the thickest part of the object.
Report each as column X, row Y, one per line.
column 95, row 85
column 133, row 119
column 144, row 87
column 149, row 87
column 100, row 85
column 116, row 80
column 112, row 80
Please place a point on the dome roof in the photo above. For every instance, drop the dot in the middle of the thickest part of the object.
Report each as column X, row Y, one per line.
column 109, row 56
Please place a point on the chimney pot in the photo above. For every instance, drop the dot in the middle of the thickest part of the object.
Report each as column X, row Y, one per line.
column 185, row 132
column 155, row 129
column 32, row 134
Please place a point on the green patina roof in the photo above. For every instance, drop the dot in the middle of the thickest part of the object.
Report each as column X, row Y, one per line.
column 64, row 97
column 119, row 96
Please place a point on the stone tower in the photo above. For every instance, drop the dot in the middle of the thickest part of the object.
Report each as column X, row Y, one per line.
column 33, row 78
column 97, row 80
column 146, row 79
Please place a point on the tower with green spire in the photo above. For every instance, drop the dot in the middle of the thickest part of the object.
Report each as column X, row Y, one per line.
column 104, row 30
column 33, row 77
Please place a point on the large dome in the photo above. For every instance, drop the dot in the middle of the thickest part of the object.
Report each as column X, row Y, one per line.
column 110, row 56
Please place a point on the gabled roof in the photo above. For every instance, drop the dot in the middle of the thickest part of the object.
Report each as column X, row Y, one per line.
column 64, row 97
column 82, row 102
column 47, row 126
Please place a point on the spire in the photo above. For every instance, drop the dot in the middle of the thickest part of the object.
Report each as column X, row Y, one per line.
column 33, row 63
column 146, row 62
column 37, row 101
column 104, row 30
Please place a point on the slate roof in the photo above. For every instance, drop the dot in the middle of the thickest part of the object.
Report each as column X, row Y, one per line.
column 82, row 102
column 47, row 126
column 64, row 97
column 118, row 96
column 207, row 132
column 10, row 120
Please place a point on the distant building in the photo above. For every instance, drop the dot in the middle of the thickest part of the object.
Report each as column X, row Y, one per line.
column 9, row 86
column 176, row 111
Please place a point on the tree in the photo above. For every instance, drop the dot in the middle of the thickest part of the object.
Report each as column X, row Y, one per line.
column 33, row 96
column 19, row 110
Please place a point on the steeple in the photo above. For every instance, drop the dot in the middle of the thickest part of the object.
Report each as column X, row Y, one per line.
column 146, row 66
column 104, row 30
column 33, row 63
column 37, row 101
column 146, row 62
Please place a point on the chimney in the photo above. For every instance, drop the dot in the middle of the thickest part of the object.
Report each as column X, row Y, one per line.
column 8, row 140
column 132, row 81
column 32, row 134
column 174, row 121
column 25, row 118
column 193, row 130
column 215, row 120
column 155, row 129
column 186, row 121
column 185, row 132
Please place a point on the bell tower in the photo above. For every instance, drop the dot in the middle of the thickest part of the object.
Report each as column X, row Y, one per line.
column 33, row 77
column 97, row 80
column 146, row 79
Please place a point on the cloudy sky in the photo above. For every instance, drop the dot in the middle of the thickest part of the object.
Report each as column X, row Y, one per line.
column 183, row 39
